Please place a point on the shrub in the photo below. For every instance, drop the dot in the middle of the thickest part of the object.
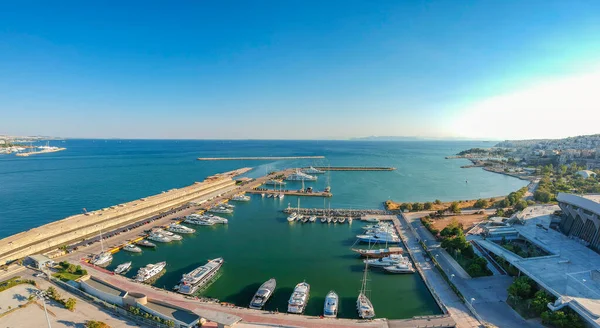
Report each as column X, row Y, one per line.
column 454, row 208
column 438, row 202
column 95, row 324
column 70, row 304
column 427, row 206
column 481, row 203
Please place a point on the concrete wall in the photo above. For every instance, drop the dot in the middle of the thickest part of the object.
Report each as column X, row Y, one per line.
column 108, row 297
column 581, row 219
column 178, row 323
column 77, row 227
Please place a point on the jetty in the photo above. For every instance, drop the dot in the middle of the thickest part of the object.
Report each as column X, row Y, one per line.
column 341, row 212
column 291, row 192
column 45, row 151
column 354, row 168
column 267, row 158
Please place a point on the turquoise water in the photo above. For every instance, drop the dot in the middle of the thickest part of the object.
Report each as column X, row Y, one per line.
column 258, row 243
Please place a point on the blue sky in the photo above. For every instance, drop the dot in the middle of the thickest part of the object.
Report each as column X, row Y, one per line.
column 296, row 69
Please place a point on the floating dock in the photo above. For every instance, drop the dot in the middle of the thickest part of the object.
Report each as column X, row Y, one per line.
column 292, row 193
column 336, row 212
column 354, row 168
column 256, row 158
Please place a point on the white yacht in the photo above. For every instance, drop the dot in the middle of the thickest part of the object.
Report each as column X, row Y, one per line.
column 197, row 220
column 215, row 219
column 174, row 227
column 263, row 294
column 150, row 271
column 312, row 219
column 363, row 303
column 156, row 236
column 145, row 243
column 102, row 259
column 380, row 237
column 220, row 209
column 122, row 268
column 192, row 281
column 404, row 267
column 389, row 260
column 132, row 248
column 312, row 170
column 374, row 220
column 241, row 198
column 292, row 217
column 299, row 298
column 300, row 176
column 342, row 220
column 330, row 309
column 169, row 234
column 380, row 225
column 227, row 205
column 323, row 220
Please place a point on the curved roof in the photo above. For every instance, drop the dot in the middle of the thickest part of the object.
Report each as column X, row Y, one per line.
column 587, row 202
column 586, row 173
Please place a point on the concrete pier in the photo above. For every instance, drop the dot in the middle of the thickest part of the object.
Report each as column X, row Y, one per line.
column 267, row 158
column 291, row 193
column 345, row 212
column 354, row 168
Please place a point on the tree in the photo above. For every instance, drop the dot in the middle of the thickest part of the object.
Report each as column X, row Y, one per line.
column 70, row 304
column 520, row 288
column 427, row 206
column 540, row 302
column 520, row 205
column 542, row 195
column 438, row 202
column 454, row 208
column 418, row 207
column 481, row 203
column 95, row 324
column 499, row 212
column 52, row 293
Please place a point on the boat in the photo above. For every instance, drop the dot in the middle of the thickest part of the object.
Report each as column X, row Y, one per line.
column 156, row 236
column 227, row 205
column 363, row 303
column 342, row 220
column 200, row 219
column 378, row 253
column 335, row 220
column 241, row 198
column 380, row 237
column 312, row 170
column 304, row 219
column 145, row 243
column 192, row 281
column 174, row 227
column 312, row 219
column 375, row 231
column 323, row 220
column 375, row 220
column 405, row 267
column 215, row 219
column 292, row 217
column 263, row 293
column 328, row 219
column 169, row 234
column 386, row 261
column 381, row 225
column 330, row 309
column 220, row 209
column 270, row 195
column 299, row 298
column 132, row 248
column 300, row 176
column 349, row 220
column 274, row 182
column 262, row 194
column 102, row 259
column 149, row 271
column 123, row 267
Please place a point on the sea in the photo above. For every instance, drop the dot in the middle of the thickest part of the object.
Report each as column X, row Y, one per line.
column 258, row 243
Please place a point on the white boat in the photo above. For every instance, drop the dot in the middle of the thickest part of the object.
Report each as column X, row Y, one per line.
column 292, row 217
column 312, row 170
column 192, row 281
column 263, row 294
column 381, row 225
column 198, row 221
column 330, row 309
column 405, row 267
column 300, row 176
column 132, row 248
column 169, row 234
column 334, row 220
column 304, row 219
column 363, row 303
column 122, row 268
column 349, row 220
column 227, row 205
column 380, row 230
column 241, row 198
column 312, row 219
column 262, row 194
column 150, row 271
column 299, row 298
column 342, row 220
column 323, row 220
column 389, row 260
column 174, row 227
column 378, row 253
column 214, row 218
column 102, row 259
column 328, row 219
column 220, row 209
column 145, row 243
column 381, row 237
column 155, row 236
column 375, row 220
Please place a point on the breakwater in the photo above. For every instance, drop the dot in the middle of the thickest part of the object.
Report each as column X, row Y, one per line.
column 355, row 168
column 291, row 193
column 54, row 150
column 267, row 158
column 336, row 212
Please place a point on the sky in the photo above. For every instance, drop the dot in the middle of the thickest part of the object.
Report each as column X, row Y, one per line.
column 300, row 69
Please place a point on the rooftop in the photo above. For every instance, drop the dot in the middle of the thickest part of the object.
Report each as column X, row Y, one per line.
column 105, row 287
column 174, row 312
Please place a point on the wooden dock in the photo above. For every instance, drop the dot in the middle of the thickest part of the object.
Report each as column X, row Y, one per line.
column 292, row 193
column 354, row 168
column 344, row 212
column 257, row 158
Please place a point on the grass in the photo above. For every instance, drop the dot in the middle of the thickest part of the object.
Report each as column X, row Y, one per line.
column 66, row 276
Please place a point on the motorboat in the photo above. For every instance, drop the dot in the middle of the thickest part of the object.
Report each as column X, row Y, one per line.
column 215, row 219
column 102, row 259
column 328, row 219
column 349, row 220
column 132, row 248
column 262, row 194
column 375, row 231
column 149, row 271
column 198, row 220
column 145, row 243
column 292, row 217
column 220, row 209
column 374, row 220
column 304, row 219
column 169, row 234
column 342, row 220
column 380, row 237
column 263, row 294
column 335, row 220
column 386, row 261
column 299, row 298
column 227, row 205
column 123, row 267
column 270, row 195
column 363, row 303
column 300, row 176
column 404, row 267
column 192, row 281
column 312, row 219
column 312, row 170
column 381, row 225
column 330, row 309
column 241, row 198
column 174, row 227
column 156, row 236
column 323, row 220
column 378, row 253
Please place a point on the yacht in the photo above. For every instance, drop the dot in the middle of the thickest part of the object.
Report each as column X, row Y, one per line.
column 312, row 219
column 299, row 298
column 263, row 293
column 145, row 243
column 156, row 236
column 198, row 220
column 330, row 309
column 192, row 281
column 241, row 198
column 300, row 176
column 386, row 261
column 363, row 303
column 149, row 271
column 169, row 234
column 380, row 237
column 374, row 220
column 304, row 219
column 102, row 259
column 312, row 170
column 227, row 205
column 122, row 268
column 405, row 267
column 215, row 219
column 378, row 253
column 384, row 230
column 292, row 217
column 381, row 225
column 132, row 248
column 328, row 219
column 342, row 220
column 220, row 209
column 174, row 227
column 334, row 220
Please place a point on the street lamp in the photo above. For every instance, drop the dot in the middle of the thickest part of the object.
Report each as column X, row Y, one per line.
column 472, row 299
column 451, row 276
column 42, row 296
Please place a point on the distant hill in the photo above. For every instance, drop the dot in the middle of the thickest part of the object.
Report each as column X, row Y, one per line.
column 410, row 138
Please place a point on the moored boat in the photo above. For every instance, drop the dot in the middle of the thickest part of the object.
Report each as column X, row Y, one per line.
column 132, row 248
column 102, row 259
column 150, row 271
column 330, row 309
column 363, row 303
column 375, row 220
column 292, row 217
column 312, row 219
column 123, row 267
column 178, row 228
column 380, row 237
column 386, row 261
column 342, row 220
column 299, row 298
column 169, row 234
column 263, row 294
column 312, row 170
column 241, row 198
column 300, row 176
column 335, row 220
column 378, row 253
column 194, row 280
column 156, row 236
column 404, row 267
column 145, row 243
column 220, row 209
column 323, row 220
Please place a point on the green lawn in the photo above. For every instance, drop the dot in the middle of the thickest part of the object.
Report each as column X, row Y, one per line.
column 66, row 276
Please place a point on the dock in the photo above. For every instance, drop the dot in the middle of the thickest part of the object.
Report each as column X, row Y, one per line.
column 355, row 168
column 339, row 212
column 267, row 158
column 291, row 193
column 45, row 151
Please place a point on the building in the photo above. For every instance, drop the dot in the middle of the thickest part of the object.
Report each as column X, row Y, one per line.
column 581, row 218
column 586, row 174
column 39, row 261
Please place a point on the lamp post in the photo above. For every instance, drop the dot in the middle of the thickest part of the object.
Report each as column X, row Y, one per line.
column 42, row 296
column 472, row 299
column 451, row 276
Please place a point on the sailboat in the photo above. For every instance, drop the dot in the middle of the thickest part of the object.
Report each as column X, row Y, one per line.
column 363, row 303
column 104, row 258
